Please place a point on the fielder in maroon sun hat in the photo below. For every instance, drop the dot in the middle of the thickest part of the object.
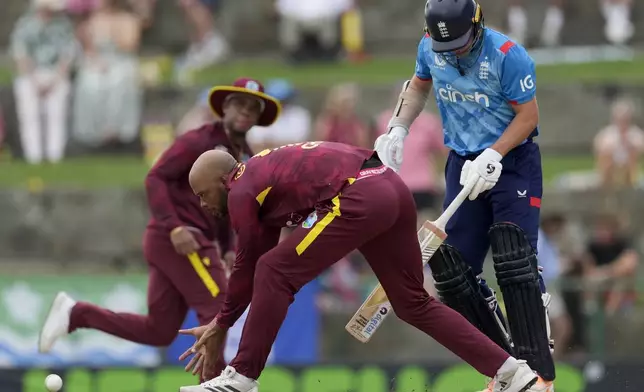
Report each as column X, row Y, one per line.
column 222, row 96
column 183, row 242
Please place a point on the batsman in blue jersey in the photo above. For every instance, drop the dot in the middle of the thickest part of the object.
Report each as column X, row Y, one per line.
column 485, row 88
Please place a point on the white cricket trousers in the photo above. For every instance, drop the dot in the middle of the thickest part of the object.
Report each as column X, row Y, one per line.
column 42, row 119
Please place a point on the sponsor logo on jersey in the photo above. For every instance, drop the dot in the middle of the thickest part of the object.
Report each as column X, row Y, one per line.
column 526, row 83
column 371, row 172
column 450, row 94
column 484, row 69
column 310, row 220
column 240, row 171
column 439, row 61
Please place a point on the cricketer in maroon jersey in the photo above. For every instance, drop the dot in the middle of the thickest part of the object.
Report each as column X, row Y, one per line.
column 341, row 198
column 185, row 270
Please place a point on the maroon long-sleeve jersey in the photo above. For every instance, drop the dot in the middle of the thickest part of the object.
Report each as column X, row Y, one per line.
column 279, row 188
column 170, row 198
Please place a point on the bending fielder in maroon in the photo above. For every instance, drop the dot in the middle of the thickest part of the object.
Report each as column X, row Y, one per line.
column 342, row 198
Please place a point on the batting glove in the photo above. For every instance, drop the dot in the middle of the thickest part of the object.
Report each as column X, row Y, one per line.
column 390, row 147
column 484, row 172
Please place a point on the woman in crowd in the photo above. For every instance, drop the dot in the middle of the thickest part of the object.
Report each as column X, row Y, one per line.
column 108, row 95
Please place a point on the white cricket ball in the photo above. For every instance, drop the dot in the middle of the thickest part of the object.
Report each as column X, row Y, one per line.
column 53, row 382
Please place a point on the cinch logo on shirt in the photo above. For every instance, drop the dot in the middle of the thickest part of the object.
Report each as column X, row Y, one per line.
column 448, row 93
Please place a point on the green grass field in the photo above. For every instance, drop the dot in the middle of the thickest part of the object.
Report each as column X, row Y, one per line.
column 107, row 172
column 384, row 71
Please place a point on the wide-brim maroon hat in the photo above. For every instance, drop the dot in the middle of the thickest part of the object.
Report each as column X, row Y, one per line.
column 271, row 107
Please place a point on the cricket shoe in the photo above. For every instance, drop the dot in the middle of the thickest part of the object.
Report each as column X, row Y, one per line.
column 542, row 386
column 518, row 380
column 57, row 322
column 228, row 381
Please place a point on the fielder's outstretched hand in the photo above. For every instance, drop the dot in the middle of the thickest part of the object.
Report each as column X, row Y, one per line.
column 210, row 339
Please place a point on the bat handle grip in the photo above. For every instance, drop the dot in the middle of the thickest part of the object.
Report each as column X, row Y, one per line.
column 442, row 220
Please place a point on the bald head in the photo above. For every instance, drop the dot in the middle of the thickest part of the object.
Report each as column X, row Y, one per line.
column 209, row 167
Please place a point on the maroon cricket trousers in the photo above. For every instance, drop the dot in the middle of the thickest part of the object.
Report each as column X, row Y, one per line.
column 376, row 214
column 175, row 285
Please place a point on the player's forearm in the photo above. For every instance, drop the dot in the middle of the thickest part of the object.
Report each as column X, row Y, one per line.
column 411, row 103
column 239, row 295
column 520, row 128
column 160, row 202
column 253, row 243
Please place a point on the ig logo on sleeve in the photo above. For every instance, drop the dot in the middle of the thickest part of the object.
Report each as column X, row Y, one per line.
column 527, row 83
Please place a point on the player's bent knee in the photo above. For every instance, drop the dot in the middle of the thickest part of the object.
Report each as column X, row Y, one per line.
column 411, row 310
column 516, row 269
column 266, row 275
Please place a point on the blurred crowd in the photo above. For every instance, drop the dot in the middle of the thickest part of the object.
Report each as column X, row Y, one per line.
column 618, row 26
column 78, row 74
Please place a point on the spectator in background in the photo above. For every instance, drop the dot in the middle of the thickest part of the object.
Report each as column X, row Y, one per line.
column 292, row 126
column 619, row 28
column 613, row 262
column 43, row 47
column 198, row 115
column 338, row 120
column 618, row 147
column 552, row 23
column 352, row 33
column 108, row 104
column 550, row 260
column 79, row 10
column 426, row 147
column 208, row 46
column 317, row 18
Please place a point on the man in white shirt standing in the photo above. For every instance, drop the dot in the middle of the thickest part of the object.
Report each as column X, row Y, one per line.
column 43, row 47
column 292, row 126
column 315, row 17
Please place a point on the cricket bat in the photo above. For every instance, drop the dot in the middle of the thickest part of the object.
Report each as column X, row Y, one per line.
column 376, row 307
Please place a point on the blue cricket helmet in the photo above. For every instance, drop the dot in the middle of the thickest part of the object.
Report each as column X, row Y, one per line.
column 451, row 23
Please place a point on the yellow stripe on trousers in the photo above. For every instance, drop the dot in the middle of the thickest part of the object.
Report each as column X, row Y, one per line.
column 203, row 273
column 317, row 229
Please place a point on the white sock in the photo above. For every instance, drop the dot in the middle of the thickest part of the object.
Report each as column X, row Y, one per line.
column 510, row 365
column 518, row 23
column 552, row 25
